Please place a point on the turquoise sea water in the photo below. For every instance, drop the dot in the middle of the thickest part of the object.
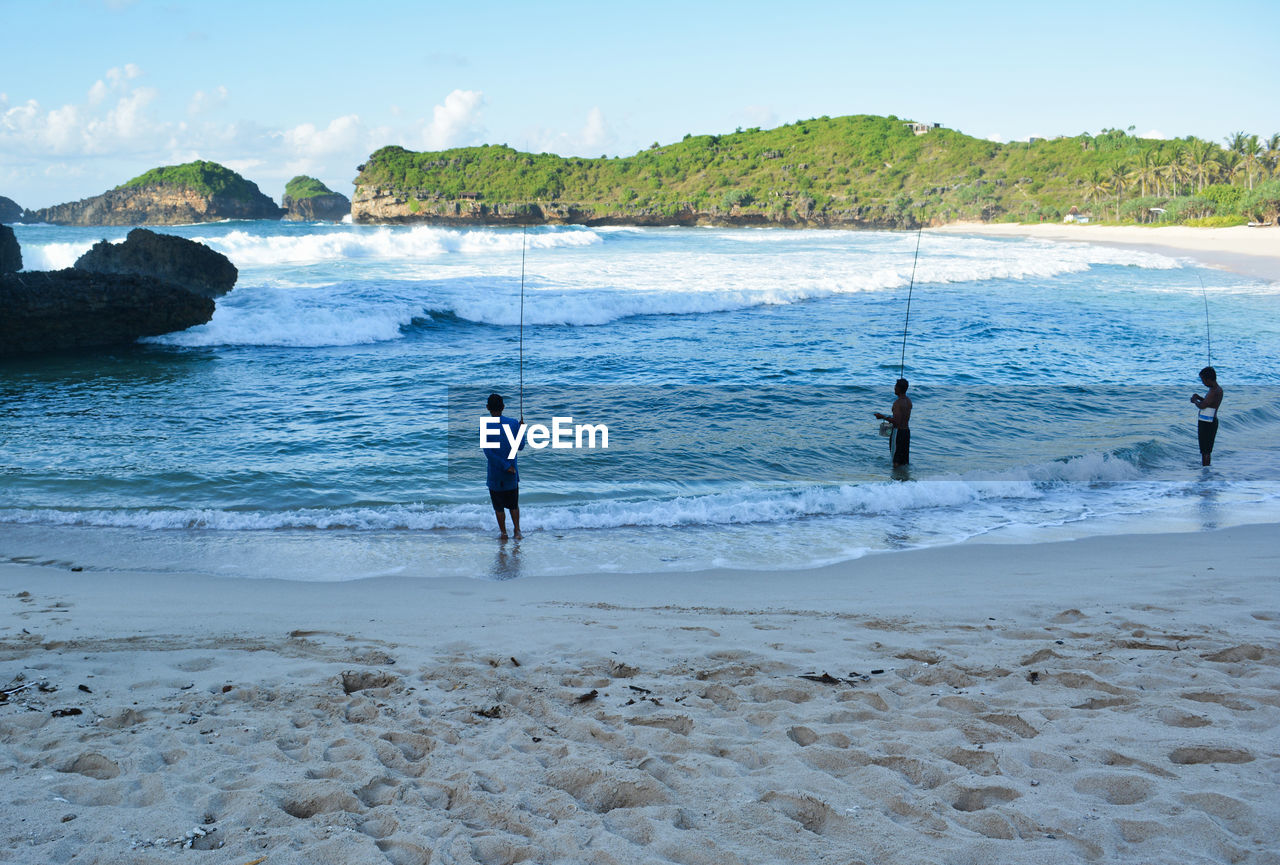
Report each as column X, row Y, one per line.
column 324, row 425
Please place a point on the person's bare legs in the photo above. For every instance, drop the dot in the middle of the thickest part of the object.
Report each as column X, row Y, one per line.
column 502, row 524
column 515, row 522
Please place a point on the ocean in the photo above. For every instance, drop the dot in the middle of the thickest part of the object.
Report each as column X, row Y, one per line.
column 325, row 424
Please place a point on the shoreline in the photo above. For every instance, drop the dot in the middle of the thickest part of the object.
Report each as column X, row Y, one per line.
column 1069, row 701
column 1252, row 252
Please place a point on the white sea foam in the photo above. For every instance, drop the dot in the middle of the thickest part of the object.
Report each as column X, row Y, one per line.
column 737, row 507
column 572, row 279
column 270, row 315
column 53, row 256
column 347, row 242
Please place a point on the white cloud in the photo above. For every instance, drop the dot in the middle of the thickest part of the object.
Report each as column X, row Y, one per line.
column 1154, row 133
column 759, row 115
column 341, row 135
column 455, row 122
column 98, row 92
column 595, row 137
column 241, row 166
column 100, row 126
column 996, row 137
column 117, row 132
column 203, row 102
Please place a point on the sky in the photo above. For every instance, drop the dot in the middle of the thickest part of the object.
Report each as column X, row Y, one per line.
column 95, row 92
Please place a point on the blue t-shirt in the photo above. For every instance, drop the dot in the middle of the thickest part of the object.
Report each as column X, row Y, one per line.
column 498, row 458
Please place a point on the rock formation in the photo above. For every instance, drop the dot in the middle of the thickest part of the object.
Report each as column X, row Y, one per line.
column 10, row 252
column 65, row 309
column 306, row 198
column 9, row 210
column 175, row 260
column 174, row 195
column 115, row 302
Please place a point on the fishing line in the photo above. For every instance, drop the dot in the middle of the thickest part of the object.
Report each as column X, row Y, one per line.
column 902, row 363
column 524, row 232
column 1207, row 338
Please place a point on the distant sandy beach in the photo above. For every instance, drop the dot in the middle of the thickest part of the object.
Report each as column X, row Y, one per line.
column 1114, row 699
column 1251, row 252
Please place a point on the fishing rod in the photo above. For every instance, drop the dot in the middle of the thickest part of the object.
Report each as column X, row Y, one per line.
column 902, row 362
column 1207, row 338
column 524, row 232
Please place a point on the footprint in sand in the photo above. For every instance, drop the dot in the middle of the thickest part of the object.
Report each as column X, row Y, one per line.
column 977, row 798
column 93, row 765
column 1196, row 755
column 811, row 813
column 1117, row 788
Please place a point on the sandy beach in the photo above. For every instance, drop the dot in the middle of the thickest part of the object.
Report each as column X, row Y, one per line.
column 1113, row 699
column 1252, row 252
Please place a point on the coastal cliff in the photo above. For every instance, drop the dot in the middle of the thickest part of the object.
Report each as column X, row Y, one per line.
column 857, row 172
column 391, row 205
column 148, row 285
column 173, row 195
column 307, row 199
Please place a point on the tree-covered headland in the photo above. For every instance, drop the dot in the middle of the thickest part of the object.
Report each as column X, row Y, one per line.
column 205, row 178
column 858, row 171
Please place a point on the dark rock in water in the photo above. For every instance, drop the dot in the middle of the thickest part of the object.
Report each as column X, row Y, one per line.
column 175, row 260
column 306, row 198
column 64, row 309
column 9, row 210
column 10, row 252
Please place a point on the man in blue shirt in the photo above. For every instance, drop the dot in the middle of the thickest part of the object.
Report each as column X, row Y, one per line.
column 504, row 478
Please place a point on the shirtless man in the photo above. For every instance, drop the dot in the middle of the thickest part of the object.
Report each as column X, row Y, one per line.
column 1207, row 424
column 900, row 419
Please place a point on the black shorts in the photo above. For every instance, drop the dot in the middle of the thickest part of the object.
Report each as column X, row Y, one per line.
column 509, row 499
column 1207, row 431
column 900, row 446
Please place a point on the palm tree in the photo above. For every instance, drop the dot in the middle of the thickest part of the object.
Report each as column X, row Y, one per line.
column 1144, row 171
column 1273, row 153
column 1232, row 165
column 1173, row 171
column 1119, row 178
column 1251, row 157
column 1096, row 187
column 1200, row 159
column 1159, row 167
column 1235, row 141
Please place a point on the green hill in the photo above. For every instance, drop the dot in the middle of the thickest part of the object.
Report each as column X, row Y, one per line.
column 206, row 178
column 855, row 171
column 303, row 186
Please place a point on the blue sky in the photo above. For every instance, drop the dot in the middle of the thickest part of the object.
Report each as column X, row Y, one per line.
column 93, row 92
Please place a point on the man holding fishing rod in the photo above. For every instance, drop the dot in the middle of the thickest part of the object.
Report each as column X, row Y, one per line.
column 1207, row 419
column 900, row 420
column 503, row 477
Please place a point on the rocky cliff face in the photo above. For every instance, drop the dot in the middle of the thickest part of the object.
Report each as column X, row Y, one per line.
column 9, row 210
column 156, row 205
column 384, row 205
column 175, row 260
column 331, row 207
column 10, row 252
column 81, row 308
